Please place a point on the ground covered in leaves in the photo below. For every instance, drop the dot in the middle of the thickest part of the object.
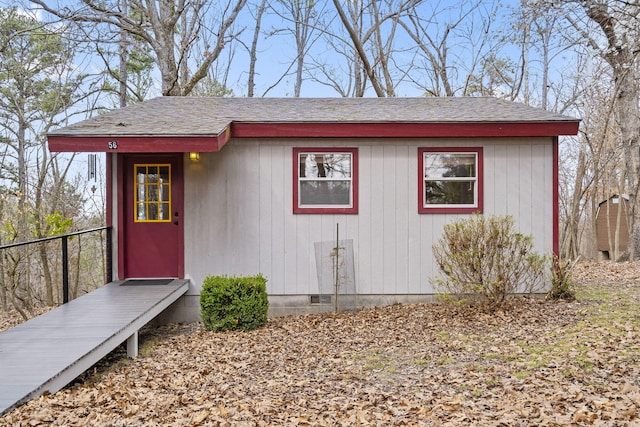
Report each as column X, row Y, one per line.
column 538, row 363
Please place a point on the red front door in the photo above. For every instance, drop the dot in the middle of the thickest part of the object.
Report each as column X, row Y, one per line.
column 153, row 209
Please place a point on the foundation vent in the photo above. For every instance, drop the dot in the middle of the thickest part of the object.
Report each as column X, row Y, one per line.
column 320, row 299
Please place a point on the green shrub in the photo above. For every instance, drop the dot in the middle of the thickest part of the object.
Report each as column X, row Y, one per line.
column 562, row 286
column 234, row 303
column 483, row 260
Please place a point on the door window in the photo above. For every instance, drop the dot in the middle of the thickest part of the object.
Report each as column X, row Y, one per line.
column 153, row 193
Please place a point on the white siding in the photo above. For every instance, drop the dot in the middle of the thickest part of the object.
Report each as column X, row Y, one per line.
column 239, row 218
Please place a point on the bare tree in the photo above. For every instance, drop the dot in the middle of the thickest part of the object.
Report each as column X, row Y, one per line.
column 337, row 66
column 618, row 23
column 253, row 51
column 170, row 27
column 305, row 18
column 38, row 85
column 453, row 44
column 371, row 41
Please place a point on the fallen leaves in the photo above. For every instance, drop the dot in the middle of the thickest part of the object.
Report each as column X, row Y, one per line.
column 539, row 363
column 11, row 318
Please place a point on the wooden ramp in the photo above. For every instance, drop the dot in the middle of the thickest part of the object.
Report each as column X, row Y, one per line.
column 49, row 351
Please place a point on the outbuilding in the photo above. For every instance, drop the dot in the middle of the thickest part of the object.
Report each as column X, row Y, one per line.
column 612, row 227
column 336, row 197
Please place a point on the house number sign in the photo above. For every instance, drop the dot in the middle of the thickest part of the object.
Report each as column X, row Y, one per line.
column 112, row 145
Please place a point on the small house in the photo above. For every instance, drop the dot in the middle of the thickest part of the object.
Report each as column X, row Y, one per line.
column 339, row 198
column 612, row 227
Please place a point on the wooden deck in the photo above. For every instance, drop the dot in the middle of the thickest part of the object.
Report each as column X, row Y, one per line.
column 49, row 351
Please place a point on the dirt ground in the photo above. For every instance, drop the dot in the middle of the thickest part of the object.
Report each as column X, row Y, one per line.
column 539, row 363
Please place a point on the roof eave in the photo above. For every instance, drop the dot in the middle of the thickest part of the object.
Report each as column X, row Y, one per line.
column 403, row 130
column 138, row 143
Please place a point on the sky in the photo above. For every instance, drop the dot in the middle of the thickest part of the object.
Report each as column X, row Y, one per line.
column 277, row 48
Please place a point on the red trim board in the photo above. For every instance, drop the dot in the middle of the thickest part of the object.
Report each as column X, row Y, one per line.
column 139, row 144
column 401, row 130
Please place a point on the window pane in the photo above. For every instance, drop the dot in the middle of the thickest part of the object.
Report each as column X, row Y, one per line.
column 325, row 193
column 448, row 165
column 141, row 214
column 141, row 192
column 164, row 196
column 141, row 174
column 152, row 193
column 152, row 209
column 449, row 192
column 325, row 165
column 164, row 211
column 164, row 173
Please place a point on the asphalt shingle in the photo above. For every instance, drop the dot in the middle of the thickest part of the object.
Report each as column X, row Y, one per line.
column 191, row 116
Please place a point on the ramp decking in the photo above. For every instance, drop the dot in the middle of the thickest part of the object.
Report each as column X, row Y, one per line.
column 49, row 351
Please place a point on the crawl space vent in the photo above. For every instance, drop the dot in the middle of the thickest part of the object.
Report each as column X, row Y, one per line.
column 320, row 299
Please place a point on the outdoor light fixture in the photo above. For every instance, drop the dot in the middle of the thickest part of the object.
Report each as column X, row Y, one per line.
column 195, row 156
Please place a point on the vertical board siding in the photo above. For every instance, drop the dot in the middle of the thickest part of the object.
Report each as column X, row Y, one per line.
column 389, row 186
column 375, row 218
column 401, row 217
column 513, row 185
column 496, row 179
column 279, row 217
column 315, row 235
column 245, row 166
column 363, row 245
column 240, row 219
column 535, row 215
column 434, row 230
column 526, row 193
column 266, row 203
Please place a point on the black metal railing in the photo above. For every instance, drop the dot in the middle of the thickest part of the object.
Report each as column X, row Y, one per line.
column 64, row 238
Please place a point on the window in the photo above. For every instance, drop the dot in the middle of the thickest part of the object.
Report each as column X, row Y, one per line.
column 153, row 193
column 450, row 180
column 325, row 180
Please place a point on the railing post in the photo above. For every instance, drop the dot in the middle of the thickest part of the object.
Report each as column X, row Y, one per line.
column 109, row 265
column 65, row 271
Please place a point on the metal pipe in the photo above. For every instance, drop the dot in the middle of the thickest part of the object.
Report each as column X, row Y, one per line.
column 65, row 270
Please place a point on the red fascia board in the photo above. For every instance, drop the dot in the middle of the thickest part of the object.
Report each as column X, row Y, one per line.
column 138, row 144
column 401, row 130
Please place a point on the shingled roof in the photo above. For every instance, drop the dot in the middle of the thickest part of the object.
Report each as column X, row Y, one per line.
column 222, row 118
column 211, row 116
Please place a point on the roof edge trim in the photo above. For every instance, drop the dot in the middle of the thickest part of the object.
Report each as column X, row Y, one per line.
column 138, row 143
column 402, row 130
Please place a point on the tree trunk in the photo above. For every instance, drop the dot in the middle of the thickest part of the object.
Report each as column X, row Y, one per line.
column 621, row 53
column 627, row 113
column 40, row 232
column 359, row 48
column 253, row 53
column 570, row 239
column 123, row 59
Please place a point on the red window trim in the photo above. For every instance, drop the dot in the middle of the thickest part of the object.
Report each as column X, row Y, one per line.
column 422, row 209
column 353, row 209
